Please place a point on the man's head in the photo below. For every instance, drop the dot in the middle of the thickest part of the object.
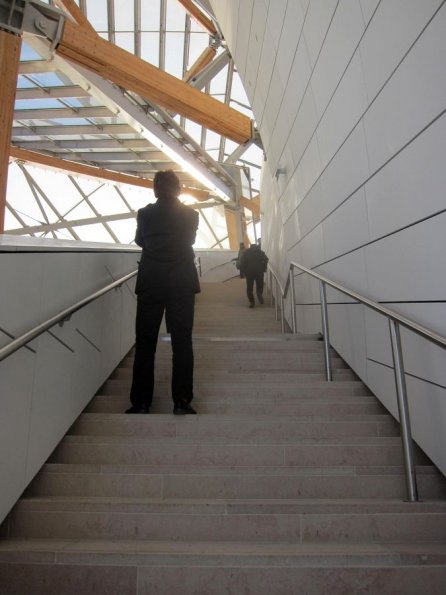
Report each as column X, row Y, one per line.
column 166, row 184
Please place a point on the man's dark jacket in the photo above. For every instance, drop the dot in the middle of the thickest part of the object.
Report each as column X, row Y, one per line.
column 253, row 261
column 166, row 232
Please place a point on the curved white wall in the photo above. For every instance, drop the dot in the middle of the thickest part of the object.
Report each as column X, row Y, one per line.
column 350, row 97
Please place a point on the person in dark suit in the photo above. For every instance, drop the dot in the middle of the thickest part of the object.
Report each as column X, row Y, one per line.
column 253, row 266
column 167, row 282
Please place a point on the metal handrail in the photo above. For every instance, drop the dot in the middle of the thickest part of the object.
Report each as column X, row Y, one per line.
column 395, row 321
column 13, row 346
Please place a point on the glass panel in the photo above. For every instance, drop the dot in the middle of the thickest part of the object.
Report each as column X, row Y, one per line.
column 97, row 14
column 218, row 83
column 175, row 16
column 24, row 83
column 174, row 54
column 107, row 202
column 150, row 15
column 28, row 53
column 198, row 42
column 37, row 104
column 126, row 41
column 93, row 233
column 124, row 15
column 150, row 48
column 194, row 130
column 124, row 230
column 212, row 140
column 48, row 79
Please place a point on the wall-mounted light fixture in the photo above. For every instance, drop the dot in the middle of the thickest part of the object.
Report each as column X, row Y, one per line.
column 280, row 171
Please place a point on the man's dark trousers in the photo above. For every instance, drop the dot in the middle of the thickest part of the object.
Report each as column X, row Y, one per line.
column 250, row 279
column 178, row 305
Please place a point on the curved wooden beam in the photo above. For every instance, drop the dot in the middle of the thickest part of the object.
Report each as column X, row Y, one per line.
column 130, row 72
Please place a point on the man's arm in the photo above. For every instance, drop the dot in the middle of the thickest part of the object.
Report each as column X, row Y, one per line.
column 138, row 235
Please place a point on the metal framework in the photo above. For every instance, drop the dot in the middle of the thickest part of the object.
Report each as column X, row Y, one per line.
column 66, row 112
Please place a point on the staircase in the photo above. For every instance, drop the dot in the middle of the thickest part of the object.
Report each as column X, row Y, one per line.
column 283, row 484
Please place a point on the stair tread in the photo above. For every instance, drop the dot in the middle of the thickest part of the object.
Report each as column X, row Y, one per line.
column 234, row 506
column 131, row 552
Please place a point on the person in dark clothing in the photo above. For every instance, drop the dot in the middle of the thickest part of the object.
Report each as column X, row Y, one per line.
column 167, row 282
column 253, row 265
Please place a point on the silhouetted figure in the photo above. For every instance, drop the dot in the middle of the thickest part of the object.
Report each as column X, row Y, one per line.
column 167, row 282
column 253, row 265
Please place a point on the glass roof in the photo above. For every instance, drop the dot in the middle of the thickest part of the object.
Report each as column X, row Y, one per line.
column 56, row 116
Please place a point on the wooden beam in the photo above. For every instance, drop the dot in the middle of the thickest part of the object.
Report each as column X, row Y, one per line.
column 73, row 9
column 252, row 204
column 132, row 73
column 199, row 16
column 92, row 172
column 10, row 46
column 205, row 58
column 233, row 228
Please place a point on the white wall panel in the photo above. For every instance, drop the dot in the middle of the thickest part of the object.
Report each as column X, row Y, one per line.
column 368, row 8
column 342, row 38
column 310, row 209
column 276, row 15
column 15, row 398
column 263, row 81
column 303, row 127
column 410, row 264
column 308, row 170
column 18, row 304
column 256, row 39
column 312, row 247
column 347, row 228
column 347, row 335
column 43, row 392
column 385, row 44
column 427, row 407
column 295, row 89
column 344, row 111
column 381, row 381
column 346, row 172
column 243, row 29
column 414, row 96
column 335, row 177
column 291, row 30
column 317, row 22
column 423, row 358
column 411, row 186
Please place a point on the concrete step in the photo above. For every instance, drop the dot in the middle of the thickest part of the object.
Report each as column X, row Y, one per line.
column 118, row 450
column 210, row 428
column 298, row 522
column 53, row 567
column 349, row 406
column 192, row 482
column 297, row 386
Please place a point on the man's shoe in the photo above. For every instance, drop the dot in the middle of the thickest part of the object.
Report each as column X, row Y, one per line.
column 251, row 304
column 183, row 408
column 260, row 298
column 138, row 409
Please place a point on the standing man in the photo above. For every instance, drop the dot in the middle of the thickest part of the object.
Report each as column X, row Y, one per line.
column 253, row 265
column 167, row 282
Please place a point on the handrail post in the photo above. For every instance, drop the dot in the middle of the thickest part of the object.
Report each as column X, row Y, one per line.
column 276, row 302
column 324, row 315
column 293, row 299
column 403, row 408
column 282, row 315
